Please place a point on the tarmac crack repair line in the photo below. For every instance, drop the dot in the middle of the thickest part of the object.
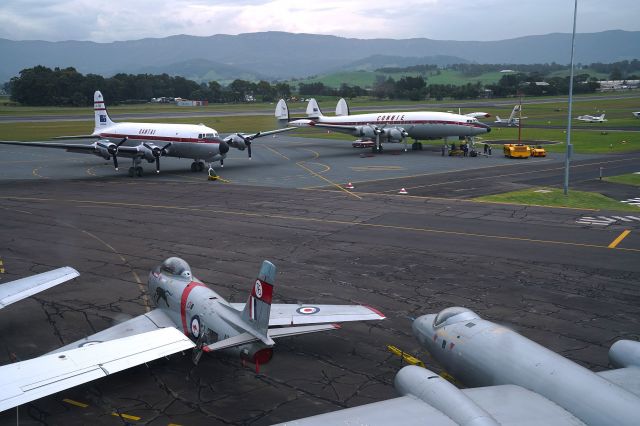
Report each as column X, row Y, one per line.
column 317, row 220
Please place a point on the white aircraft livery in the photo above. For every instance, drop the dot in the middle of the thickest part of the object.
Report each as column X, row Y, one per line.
column 150, row 141
column 393, row 127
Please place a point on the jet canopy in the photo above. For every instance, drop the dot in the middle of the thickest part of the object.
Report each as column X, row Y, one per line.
column 452, row 315
column 176, row 266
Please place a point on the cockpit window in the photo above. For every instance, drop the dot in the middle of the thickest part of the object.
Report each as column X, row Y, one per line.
column 176, row 266
column 445, row 314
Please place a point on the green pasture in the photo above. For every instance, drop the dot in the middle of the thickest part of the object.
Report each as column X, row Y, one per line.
column 628, row 179
column 553, row 197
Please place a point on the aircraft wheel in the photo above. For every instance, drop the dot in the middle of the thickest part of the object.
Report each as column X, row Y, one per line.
column 200, row 166
column 132, row 171
column 139, row 171
column 414, row 146
column 419, row 146
column 194, row 167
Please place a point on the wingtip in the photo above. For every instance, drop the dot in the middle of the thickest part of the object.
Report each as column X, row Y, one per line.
column 377, row 312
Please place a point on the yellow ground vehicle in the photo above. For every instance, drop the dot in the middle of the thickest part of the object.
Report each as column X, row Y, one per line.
column 538, row 151
column 512, row 150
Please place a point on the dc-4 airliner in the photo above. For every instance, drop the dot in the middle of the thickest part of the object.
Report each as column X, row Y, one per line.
column 392, row 127
column 150, row 141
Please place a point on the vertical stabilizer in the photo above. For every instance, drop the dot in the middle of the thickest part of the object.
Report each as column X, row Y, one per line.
column 102, row 119
column 258, row 308
column 516, row 110
column 282, row 113
column 313, row 110
column 342, row 108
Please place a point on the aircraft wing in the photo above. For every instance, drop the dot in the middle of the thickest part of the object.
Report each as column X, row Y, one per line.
column 71, row 146
column 627, row 378
column 141, row 324
column 14, row 291
column 26, row 381
column 509, row 405
column 333, row 126
column 293, row 314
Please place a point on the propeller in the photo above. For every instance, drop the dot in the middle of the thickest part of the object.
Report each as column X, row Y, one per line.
column 156, row 151
column 112, row 149
column 247, row 140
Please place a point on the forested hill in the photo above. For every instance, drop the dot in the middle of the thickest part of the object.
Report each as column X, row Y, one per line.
column 280, row 55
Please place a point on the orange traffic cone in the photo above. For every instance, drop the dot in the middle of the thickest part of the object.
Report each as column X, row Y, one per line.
column 349, row 186
column 403, row 191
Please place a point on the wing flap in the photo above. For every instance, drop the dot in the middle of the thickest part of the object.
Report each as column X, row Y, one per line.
column 140, row 324
column 294, row 331
column 14, row 291
column 26, row 381
column 295, row 314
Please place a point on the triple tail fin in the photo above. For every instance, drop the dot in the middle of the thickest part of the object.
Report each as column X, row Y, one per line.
column 282, row 113
column 258, row 308
column 313, row 110
column 101, row 115
column 342, row 108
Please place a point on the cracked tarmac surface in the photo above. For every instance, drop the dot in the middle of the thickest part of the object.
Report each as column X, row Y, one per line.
column 530, row 268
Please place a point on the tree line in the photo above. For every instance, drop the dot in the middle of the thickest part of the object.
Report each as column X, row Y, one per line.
column 40, row 86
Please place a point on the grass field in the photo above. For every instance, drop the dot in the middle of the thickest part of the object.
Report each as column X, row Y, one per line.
column 628, row 179
column 556, row 198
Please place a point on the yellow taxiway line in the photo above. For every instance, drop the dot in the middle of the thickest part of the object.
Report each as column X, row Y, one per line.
column 319, row 220
column 621, row 237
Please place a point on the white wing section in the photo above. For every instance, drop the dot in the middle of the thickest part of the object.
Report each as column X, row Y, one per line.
column 141, row 324
column 627, row 378
column 14, row 291
column 26, row 381
column 293, row 314
column 510, row 405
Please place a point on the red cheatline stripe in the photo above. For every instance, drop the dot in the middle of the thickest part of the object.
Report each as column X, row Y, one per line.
column 183, row 304
column 156, row 138
column 99, row 109
column 98, row 102
column 406, row 122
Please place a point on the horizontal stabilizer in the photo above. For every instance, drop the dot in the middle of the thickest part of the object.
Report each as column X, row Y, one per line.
column 14, row 291
column 293, row 314
column 26, row 381
column 245, row 338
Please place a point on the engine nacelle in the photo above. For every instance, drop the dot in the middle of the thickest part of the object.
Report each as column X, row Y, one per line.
column 105, row 149
column 395, row 134
column 150, row 151
column 625, row 353
column 368, row 131
column 442, row 395
column 237, row 142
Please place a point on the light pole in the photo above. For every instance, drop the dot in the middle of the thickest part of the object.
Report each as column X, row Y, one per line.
column 569, row 146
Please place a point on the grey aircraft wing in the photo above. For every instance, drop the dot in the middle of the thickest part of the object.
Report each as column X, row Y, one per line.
column 26, row 381
column 627, row 378
column 71, row 147
column 14, row 291
column 150, row 321
column 506, row 405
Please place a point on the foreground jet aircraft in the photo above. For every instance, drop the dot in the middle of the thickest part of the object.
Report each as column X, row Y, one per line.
column 393, row 127
column 184, row 305
column 150, row 141
column 14, row 291
column 512, row 380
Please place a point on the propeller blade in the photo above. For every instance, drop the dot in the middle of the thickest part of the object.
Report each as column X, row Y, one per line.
column 122, row 141
column 249, row 149
column 158, row 164
column 164, row 148
column 115, row 161
column 222, row 162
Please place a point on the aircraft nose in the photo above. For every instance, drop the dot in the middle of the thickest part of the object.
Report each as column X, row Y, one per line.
column 484, row 126
column 223, row 147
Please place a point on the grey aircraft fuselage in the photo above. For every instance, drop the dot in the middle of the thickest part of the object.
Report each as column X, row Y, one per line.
column 481, row 353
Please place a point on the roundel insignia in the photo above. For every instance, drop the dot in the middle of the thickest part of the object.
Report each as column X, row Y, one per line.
column 195, row 326
column 258, row 289
column 308, row 310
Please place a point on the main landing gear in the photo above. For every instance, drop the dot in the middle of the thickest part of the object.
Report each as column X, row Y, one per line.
column 136, row 169
column 416, row 146
column 197, row 166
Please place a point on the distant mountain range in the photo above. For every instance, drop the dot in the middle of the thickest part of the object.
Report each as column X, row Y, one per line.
column 280, row 55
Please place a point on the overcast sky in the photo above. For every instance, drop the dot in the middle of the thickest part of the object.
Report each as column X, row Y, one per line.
column 105, row 21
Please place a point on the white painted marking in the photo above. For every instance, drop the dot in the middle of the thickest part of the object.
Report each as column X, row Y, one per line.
column 622, row 218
